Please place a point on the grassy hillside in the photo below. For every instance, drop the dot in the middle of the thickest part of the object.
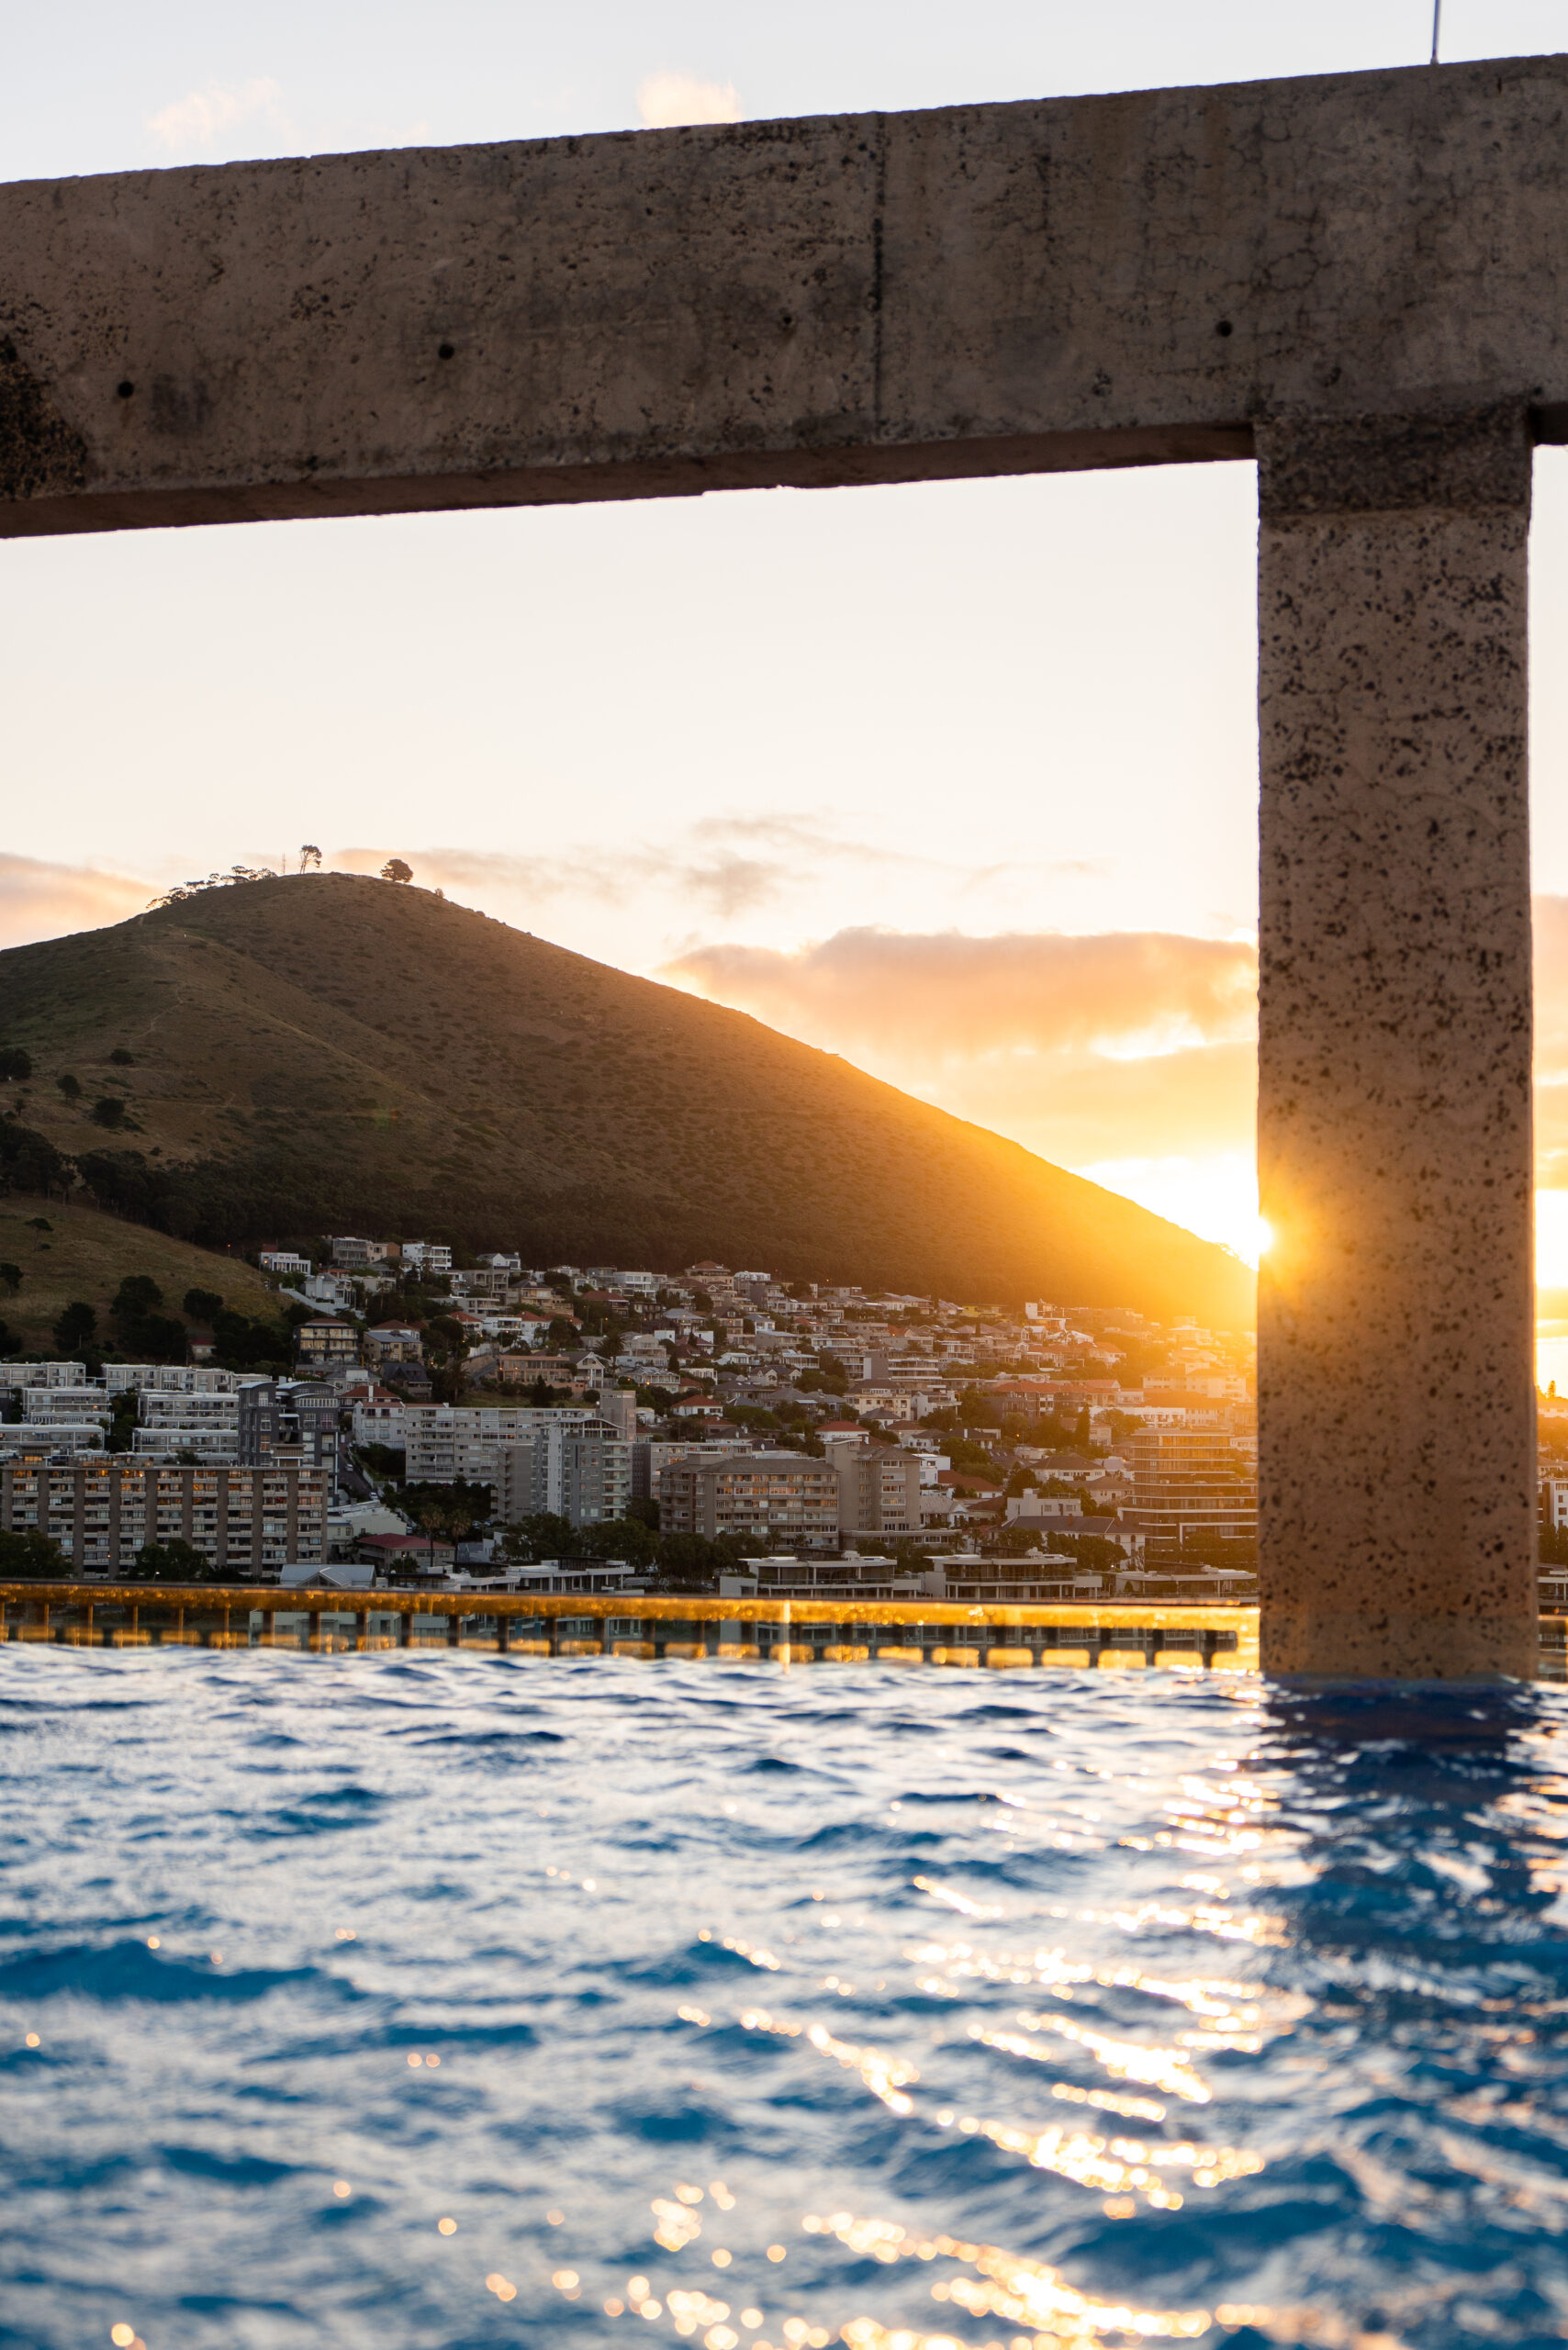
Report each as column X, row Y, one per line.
column 330, row 1052
column 85, row 1254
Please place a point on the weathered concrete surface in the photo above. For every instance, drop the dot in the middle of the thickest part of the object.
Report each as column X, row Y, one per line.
column 1085, row 281
column 1396, row 1411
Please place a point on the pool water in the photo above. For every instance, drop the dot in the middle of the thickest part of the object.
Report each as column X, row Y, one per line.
column 445, row 2001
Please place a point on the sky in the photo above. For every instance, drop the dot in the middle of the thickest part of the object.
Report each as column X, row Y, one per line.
column 958, row 781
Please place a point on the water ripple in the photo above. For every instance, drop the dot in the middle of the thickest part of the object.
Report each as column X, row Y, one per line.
column 443, row 2003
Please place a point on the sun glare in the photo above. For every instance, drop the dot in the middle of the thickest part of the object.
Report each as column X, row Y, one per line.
column 1216, row 1198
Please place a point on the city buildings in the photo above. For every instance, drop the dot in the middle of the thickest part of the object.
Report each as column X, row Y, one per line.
column 101, row 1513
column 580, row 1471
column 879, row 1490
column 1188, row 1482
column 786, row 1496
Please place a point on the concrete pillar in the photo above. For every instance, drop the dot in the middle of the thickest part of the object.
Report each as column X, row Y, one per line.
column 1397, row 1416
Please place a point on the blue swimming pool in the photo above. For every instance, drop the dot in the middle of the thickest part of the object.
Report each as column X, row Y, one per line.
column 447, row 2001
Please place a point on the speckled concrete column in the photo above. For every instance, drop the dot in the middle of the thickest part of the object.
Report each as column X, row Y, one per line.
column 1396, row 1421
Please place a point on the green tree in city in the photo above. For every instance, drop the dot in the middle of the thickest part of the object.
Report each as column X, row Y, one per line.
column 77, row 1327
column 172, row 1561
column 448, row 1513
column 627, row 1539
column 541, row 1535
column 31, row 1555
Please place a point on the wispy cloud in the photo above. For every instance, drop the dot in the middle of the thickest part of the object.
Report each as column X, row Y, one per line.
column 38, row 899
column 719, row 880
column 666, row 98
column 203, row 119
column 723, row 866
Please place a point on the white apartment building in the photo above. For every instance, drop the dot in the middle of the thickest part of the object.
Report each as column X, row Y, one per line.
column 282, row 1260
column 159, row 1409
column 43, row 1405
column 381, row 1423
column 583, row 1474
column 206, row 1427
column 200, row 1444
column 174, row 1378
column 1554, row 1501
column 426, row 1256
column 16, row 1376
column 42, row 1438
column 448, row 1442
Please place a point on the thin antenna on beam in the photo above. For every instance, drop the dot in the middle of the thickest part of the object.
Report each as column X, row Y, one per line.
column 1437, row 27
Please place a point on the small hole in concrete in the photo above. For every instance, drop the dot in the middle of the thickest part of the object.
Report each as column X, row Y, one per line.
column 125, row 389
column 1224, row 327
column 447, row 350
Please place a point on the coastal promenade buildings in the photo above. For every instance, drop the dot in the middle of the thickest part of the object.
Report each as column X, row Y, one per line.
column 785, row 1496
column 101, row 1512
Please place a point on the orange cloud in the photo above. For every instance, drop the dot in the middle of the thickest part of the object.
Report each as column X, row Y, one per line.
column 941, row 996
column 1119, row 1045
column 38, row 899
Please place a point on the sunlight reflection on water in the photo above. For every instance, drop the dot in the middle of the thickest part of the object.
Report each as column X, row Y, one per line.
column 456, row 2001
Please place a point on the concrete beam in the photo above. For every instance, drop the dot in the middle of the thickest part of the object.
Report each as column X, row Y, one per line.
column 1086, row 282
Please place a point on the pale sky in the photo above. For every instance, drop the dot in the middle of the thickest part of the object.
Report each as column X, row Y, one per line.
column 958, row 781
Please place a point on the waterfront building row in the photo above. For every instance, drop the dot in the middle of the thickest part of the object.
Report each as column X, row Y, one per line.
column 101, row 1512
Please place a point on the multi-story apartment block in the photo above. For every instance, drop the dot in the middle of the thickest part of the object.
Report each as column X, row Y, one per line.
column 256, row 1429
column 16, row 1376
column 651, row 1456
column 327, row 1341
column 1189, row 1481
column 787, row 1496
column 878, row 1488
column 581, row 1472
column 43, row 1438
column 308, row 1412
column 381, row 1419
column 160, row 1410
column 447, row 1441
column 45, row 1405
column 204, row 1444
column 174, row 1379
column 246, row 1521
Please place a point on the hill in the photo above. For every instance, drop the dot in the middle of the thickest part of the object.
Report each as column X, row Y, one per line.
column 327, row 1052
column 83, row 1255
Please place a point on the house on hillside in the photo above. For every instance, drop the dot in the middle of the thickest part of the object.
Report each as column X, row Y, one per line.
column 326, row 1341
column 393, row 1342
